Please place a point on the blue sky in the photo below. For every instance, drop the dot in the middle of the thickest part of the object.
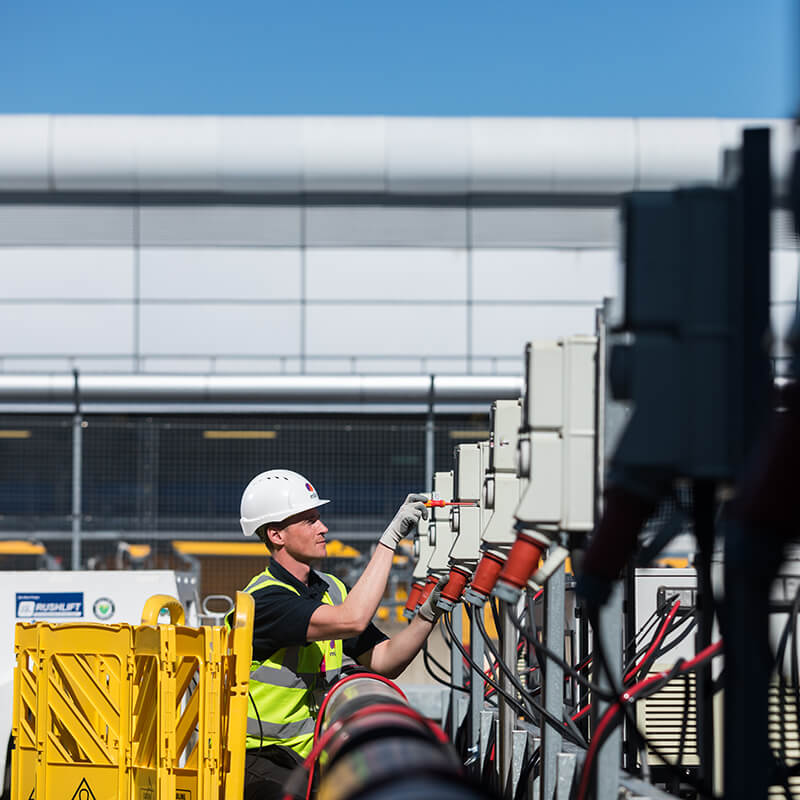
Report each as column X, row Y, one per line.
column 570, row 58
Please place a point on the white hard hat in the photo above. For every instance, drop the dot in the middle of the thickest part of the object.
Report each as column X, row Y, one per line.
column 275, row 495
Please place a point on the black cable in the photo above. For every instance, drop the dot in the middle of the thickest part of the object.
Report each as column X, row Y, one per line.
column 512, row 700
column 258, row 717
column 529, row 770
column 493, row 604
column 541, row 650
column 428, row 659
column 629, row 713
column 685, row 717
column 665, row 646
column 655, row 618
column 671, row 644
column 441, row 666
column 546, row 716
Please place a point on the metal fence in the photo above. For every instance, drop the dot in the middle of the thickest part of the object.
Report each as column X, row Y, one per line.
column 149, row 481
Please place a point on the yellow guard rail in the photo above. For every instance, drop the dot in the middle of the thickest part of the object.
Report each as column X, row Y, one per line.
column 143, row 712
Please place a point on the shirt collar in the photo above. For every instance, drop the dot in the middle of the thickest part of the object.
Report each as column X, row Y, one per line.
column 282, row 574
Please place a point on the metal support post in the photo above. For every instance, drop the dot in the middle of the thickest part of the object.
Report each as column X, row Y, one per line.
column 77, row 482
column 456, row 671
column 476, row 652
column 553, row 681
column 607, row 761
column 429, row 441
column 703, row 507
column 507, row 713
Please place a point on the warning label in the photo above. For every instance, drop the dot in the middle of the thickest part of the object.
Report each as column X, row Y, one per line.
column 83, row 792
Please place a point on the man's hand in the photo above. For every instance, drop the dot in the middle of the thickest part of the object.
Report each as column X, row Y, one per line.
column 429, row 610
column 406, row 518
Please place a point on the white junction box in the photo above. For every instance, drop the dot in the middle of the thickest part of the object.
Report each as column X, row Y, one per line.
column 440, row 534
column 557, row 439
column 466, row 520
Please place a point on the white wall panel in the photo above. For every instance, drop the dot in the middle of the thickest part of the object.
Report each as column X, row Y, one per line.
column 784, row 271
column 503, row 330
column 386, row 274
column 177, row 153
column 36, row 364
column 221, row 273
column 600, row 269
column 261, row 154
column 673, row 152
column 66, row 273
column 224, row 329
column 414, row 226
column 123, row 365
column 393, row 366
column 445, row 366
column 68, row 329
column 24, row 152
column 594, row 155
column 539, row 275
column 344, row 154
column 220, row 225
column 101, row 156
column 330, row 366
column 185, row 365
column 544, row 227
column 56, row 224
column 426, row 154
column 512, row 155
column 398, row 329
column 258, row 366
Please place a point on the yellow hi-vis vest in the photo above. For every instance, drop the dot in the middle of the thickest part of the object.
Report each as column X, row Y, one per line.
column 287, row 688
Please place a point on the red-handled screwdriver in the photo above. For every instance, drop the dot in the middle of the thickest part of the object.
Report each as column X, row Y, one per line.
column 443, row 503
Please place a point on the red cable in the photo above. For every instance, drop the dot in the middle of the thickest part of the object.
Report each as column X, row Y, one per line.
column 329, row 694
column 657, row 639
column 378, row 708
column 581, row 713
column 627, row 696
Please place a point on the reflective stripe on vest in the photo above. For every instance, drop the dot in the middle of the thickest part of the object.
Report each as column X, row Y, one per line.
column 286, row 688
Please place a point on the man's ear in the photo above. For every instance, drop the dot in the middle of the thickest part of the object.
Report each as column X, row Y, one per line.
column 276, row 536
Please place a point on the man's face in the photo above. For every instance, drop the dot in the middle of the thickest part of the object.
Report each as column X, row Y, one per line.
column 304, row 536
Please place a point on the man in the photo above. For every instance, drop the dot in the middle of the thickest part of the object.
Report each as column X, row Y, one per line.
column 307, row 622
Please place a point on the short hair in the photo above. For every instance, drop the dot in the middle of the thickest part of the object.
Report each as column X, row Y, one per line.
column 261, row 532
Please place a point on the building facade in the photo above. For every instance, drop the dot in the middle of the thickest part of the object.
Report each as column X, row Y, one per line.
column 316, row 245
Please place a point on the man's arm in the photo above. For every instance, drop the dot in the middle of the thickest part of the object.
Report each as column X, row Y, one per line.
column 392, row 656
column 358, row 608
column 362, row 601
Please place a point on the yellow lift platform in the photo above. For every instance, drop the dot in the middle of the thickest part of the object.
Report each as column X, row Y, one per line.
column 124, row 712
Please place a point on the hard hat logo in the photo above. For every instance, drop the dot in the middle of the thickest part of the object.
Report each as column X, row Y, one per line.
column 276, row 495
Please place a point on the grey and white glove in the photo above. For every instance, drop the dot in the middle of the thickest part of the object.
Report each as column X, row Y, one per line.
column 405, row 520
column 429, row 610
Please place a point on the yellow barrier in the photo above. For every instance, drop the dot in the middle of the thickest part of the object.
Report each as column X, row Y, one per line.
column 124, row 712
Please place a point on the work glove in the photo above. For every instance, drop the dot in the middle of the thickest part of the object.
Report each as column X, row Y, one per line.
column 429, row 610
column 405, row 520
